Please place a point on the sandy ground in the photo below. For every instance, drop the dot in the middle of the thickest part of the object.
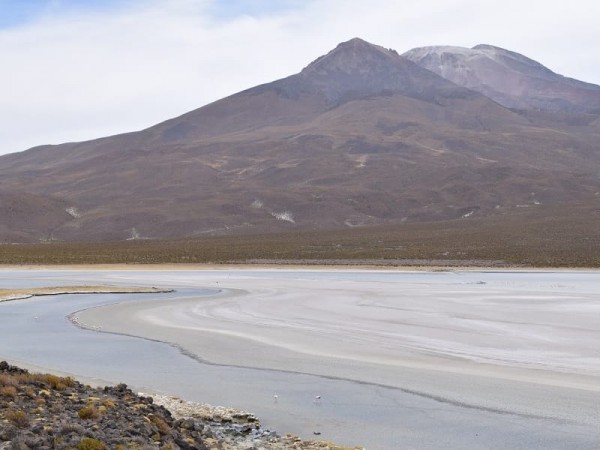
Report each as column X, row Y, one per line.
column 22, row 293
column 482, row 340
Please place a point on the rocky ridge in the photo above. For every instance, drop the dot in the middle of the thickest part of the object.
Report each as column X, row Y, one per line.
column 43, row 412
column 511, row 79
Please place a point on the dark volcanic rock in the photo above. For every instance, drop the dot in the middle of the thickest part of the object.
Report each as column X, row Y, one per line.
column 46, row 411
column 357, row 69
column 43, row 411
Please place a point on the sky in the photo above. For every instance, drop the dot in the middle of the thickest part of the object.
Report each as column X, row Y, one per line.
column 74, row 70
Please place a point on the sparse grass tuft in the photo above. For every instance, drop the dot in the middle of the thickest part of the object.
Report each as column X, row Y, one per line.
column 18, row 418
column 91, row 444
column 54, row 381
column 8, row 380
column 108, row 403
column 88, row 412
column 160, row 424
column 8, row 391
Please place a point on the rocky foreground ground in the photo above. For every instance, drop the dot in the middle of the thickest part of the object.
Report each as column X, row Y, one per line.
column 43, row 411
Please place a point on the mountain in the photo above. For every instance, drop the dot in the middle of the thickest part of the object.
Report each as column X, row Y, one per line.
column 511, row 79
column 361, row 136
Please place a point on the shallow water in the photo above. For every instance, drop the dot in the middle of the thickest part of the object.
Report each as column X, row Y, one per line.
column 37, row 331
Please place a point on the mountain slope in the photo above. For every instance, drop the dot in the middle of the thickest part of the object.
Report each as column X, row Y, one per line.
column 361, row 136
column 511, row 79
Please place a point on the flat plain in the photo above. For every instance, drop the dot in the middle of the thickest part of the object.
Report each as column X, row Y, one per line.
column 513, row 344
column 381, row 358
column 536, row 236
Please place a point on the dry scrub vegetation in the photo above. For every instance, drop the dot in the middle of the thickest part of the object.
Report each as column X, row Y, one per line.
column 565, row 236
column 44, row 411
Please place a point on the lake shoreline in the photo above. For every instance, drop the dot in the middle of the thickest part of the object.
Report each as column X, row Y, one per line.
column 24, row 293
column 245, row 347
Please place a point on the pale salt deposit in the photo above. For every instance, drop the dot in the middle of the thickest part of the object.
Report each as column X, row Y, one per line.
column 400, row 359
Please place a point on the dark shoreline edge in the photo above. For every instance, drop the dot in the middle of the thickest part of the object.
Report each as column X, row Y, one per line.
column 48, row 411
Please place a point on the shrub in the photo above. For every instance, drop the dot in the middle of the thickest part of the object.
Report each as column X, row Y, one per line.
column 8, row 380
column 24, row 378
column 91, row 444
column 56, row 382
column 160, row 424
column 18, row 418
column 89, row 412
column 47, row 379
column 30, row 393
column 108, row 403
column 8, row 391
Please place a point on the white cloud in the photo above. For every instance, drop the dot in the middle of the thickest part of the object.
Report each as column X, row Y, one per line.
column 87, row 74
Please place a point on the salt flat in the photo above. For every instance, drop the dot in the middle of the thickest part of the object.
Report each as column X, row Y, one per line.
column 419, row 320
column 457, row 336
column 400, row 359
